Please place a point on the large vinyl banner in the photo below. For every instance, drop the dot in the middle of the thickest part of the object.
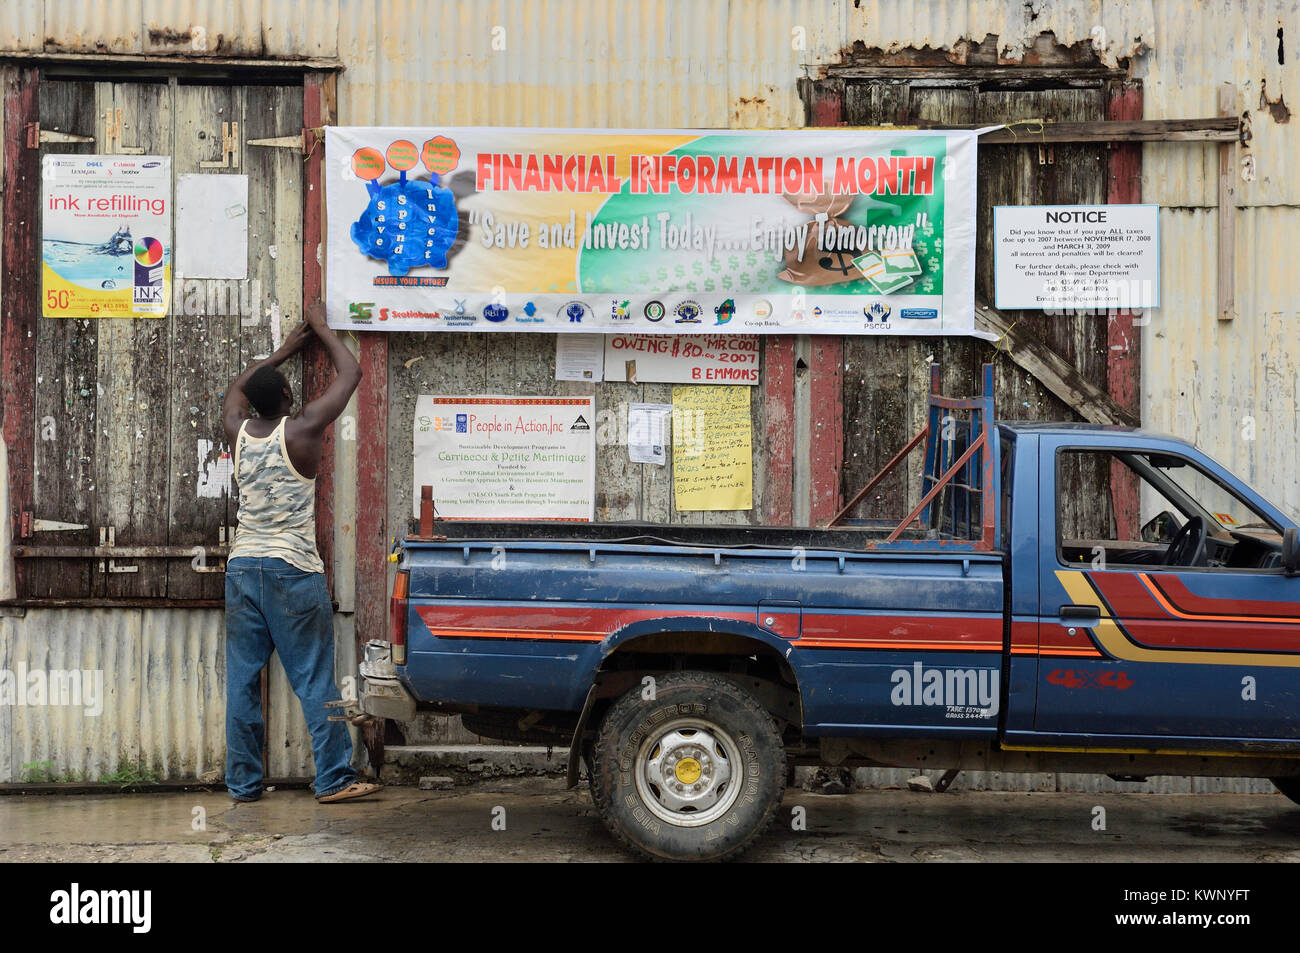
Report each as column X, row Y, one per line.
column 808, row 231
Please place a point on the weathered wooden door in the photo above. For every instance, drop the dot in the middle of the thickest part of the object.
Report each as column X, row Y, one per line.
column 885, row 378
column 128, row 439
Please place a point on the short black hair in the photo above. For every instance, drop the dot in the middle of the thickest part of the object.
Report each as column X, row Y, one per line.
column 265, row 390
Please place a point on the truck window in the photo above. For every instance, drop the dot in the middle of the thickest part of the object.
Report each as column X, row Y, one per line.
column 1146, row 500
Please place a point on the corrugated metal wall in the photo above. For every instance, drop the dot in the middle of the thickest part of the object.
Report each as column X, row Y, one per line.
column 164, row 702
column 735, row 63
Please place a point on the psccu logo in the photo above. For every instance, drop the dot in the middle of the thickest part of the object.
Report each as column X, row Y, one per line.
column 877, row 311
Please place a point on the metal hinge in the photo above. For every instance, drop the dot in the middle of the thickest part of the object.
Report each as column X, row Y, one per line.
column 108, row 565
column 36, row 135
column 229, row 148
column 113, row 136
column 304, row 142
column 200, row 554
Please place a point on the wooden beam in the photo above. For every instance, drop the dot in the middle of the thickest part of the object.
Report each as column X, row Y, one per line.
column 317, row 371
column 1028, row 132
column 826, row 451
column 977, row 75
column 191, row 63
column 1123, row 337
column 778, row 414
column 20, row 303
column 1227, row 259
column 825, row 102
column 1051, row 370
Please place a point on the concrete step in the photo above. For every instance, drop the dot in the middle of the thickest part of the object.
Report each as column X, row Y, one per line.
column 406, row 764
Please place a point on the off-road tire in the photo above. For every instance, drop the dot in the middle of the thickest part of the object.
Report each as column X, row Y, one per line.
column 741, row 738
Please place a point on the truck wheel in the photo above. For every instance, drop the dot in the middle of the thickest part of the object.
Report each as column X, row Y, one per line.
column 697, row 773
column 1288, row 786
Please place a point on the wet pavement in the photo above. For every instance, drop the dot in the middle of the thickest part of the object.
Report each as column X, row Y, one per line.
column 543, row 822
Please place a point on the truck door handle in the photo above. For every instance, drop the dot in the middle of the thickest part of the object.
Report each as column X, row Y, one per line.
column 1083, row 615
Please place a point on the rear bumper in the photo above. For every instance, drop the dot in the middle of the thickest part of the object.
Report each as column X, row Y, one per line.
column 382, row 692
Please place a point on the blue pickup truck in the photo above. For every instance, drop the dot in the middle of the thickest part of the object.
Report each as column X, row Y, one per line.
column 1061, row 597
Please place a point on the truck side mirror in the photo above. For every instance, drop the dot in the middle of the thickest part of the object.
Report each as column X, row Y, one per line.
column 1160, row 528
column 1291, row 551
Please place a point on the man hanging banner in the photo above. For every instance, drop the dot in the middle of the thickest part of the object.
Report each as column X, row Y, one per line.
column 809, row 231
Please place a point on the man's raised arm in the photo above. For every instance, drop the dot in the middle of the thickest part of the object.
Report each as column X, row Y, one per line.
column 325, row 409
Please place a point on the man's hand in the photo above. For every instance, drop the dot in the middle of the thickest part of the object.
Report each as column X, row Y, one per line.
column 297, row 339
column 315, row 316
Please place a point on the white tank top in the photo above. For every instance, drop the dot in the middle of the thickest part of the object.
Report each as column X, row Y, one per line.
column 277, row 504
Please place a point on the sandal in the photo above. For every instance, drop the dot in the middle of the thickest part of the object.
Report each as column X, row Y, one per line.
column 354, row 790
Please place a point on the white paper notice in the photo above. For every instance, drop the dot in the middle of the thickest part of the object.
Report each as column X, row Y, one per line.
column 506, row 458
column 645, row 432
column 1049, row 257
column 212, row 226
column 579, row 357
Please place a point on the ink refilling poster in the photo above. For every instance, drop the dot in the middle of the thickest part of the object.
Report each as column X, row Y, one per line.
column 106, row 224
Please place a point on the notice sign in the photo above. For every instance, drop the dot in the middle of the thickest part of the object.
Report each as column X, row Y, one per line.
column 681, row 359
column 507, row 458
column 720, row 232
column 1054, row 257
column 106, row 225
column 713, row 453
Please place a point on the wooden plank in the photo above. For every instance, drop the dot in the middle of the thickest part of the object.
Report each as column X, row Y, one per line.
column 1123, row 338
column 1226, row 259
column 21, row 297
column 1031, row 131
column 618, row 480
column 170, row 61
column 777, row 502
column 133, row 420
column 959, row 75
column 318, row 109
column 372, row 488
column 1051, row 370
column 67, row 383
column 876, row 421
column 825, row 103
column 657, row 481
column 201, row 358
column 826, row 454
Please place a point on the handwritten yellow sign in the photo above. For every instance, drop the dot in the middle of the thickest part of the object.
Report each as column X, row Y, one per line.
column 713, row 454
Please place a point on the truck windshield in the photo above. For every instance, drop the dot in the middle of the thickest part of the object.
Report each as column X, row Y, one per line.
column 1228, row 510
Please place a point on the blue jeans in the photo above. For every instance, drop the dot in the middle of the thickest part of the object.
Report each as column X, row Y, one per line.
column 271, row 604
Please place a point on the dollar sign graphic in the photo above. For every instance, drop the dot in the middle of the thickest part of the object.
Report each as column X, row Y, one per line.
column 708, row 284
column 726, row 282
column 698, row 268
column 680, row 271
column 842, row 266
column 733, row 263
column 662, row 274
